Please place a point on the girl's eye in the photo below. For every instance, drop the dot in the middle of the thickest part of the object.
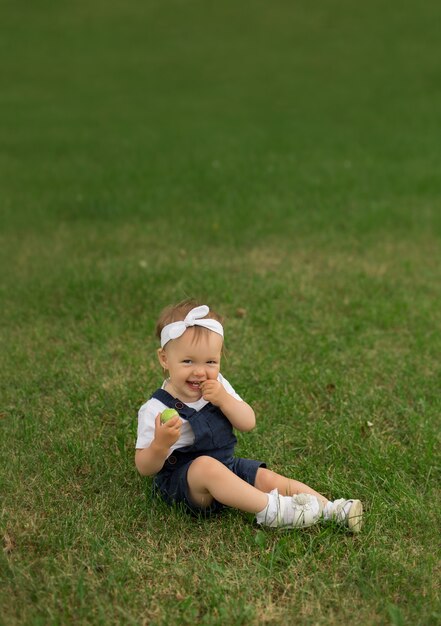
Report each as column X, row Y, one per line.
column 212, row 362
column 186, row 361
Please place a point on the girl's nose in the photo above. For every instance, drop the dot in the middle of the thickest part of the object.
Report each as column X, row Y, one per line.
column 199, row 371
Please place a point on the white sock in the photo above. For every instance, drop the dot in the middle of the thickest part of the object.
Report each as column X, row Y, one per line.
column 269, row 513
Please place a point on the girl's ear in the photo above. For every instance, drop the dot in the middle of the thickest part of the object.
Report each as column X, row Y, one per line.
column 162, row 358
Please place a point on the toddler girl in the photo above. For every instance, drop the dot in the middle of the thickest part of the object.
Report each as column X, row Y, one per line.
column 192, row 455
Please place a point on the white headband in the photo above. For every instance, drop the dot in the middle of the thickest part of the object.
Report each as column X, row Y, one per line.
column 193, row 318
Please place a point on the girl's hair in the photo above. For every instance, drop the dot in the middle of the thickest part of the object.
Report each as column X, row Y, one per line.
column 178, row 312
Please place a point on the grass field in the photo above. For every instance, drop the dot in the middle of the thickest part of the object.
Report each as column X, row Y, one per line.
column 281, row 157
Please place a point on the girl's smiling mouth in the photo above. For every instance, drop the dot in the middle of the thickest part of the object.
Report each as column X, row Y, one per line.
column 194, row 384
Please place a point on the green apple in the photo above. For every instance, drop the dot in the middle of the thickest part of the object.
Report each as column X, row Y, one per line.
column 167, row 414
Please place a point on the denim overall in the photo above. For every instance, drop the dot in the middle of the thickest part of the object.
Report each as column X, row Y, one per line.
column 213, row 437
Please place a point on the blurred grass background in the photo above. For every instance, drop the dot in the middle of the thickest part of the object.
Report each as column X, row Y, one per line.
column 278, row 157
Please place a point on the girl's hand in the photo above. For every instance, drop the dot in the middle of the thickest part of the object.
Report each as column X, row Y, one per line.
column 214, row 392
column 167, row 434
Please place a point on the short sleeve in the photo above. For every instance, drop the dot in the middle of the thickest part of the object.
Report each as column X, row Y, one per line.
column 229, row 388
column 146, row 422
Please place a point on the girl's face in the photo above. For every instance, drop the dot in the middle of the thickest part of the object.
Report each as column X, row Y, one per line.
column 190, row 361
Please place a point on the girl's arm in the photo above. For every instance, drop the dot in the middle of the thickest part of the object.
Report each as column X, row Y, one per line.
column 240, row 414
column 150, row 460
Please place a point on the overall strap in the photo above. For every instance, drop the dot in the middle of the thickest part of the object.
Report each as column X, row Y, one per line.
column 173, row 403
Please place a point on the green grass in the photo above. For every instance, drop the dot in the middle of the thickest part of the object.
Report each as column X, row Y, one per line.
column 280, row 157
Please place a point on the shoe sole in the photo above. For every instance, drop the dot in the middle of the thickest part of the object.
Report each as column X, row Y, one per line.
column 355, row 517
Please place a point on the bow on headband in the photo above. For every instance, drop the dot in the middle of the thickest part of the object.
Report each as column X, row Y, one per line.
column 193, row 318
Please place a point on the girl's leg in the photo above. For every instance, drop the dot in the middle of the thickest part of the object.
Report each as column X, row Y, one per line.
column 209, row 479
column 267, row 480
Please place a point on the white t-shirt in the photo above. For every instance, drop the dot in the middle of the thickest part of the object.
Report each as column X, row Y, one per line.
column 148, row 412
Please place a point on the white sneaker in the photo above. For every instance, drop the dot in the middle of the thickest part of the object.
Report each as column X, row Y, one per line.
column 299, row 511
column 348, row 512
